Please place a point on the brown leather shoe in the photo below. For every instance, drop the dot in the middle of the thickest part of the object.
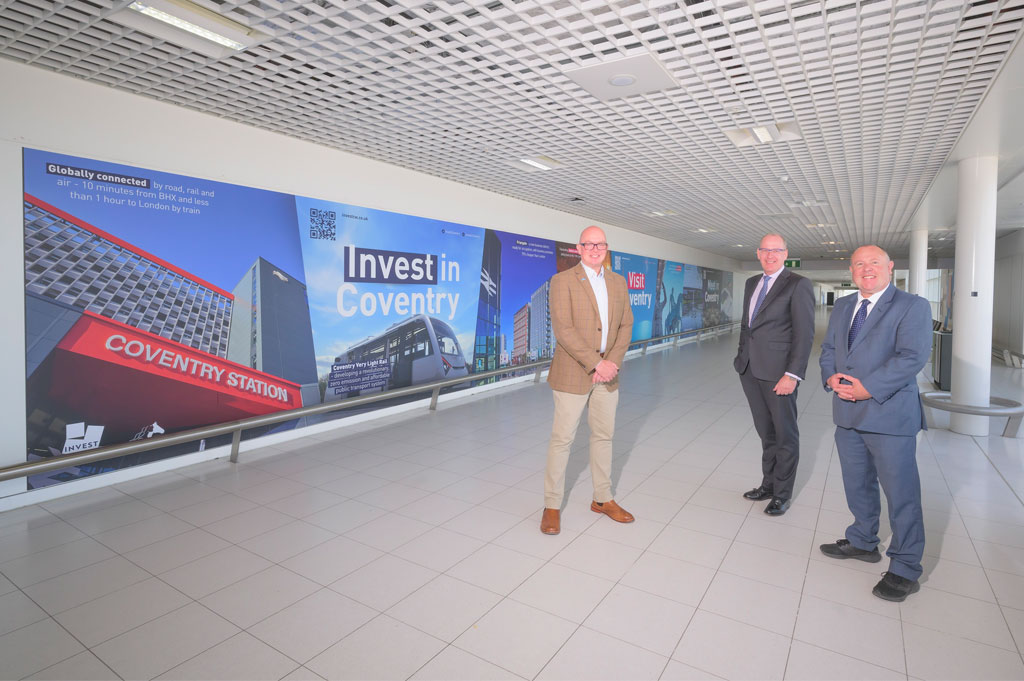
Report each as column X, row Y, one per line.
column 613, row 511
column 551, row 521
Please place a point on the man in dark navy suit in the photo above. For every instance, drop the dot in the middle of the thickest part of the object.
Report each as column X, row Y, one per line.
column 877, row 342
column 776, row 335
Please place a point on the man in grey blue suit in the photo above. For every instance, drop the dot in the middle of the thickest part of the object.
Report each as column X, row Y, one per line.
column 877, row 342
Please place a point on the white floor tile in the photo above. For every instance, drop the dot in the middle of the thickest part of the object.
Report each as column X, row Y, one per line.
column 562, row 591
column 332, row 560
column 35, row 647
column 176, row 551
column 960, row 616
column 935, row 655
column 590, row 654
column 766, row 565
column 670, row 578
column 496, row 568
column 435, row 509
column 258, row 596
column 811, row 663
column 856, row 633
column 444, row 608
column 482, row 522
column 83, row 585
column 136, row 535
column 599, row 557
column 755, row 603
column 642, row 619
column 454, row 664
column 121, row 611
column 212, row 510
column 18, row 610
column 694, row 547
column 388, row 531
column 731, row 649
column 42, row 565
column 81, row 667
column 286, row 541
column 343, row 517
column 384, row 648
column 307, row 628
column 438, row 549
column 210, row 573
column 164, row 643
column 241, row 657
column 517, row 637
column 383, row 582
column 709, row 520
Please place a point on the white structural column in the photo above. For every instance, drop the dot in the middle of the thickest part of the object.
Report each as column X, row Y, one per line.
column 973, row 275
column 916, row 282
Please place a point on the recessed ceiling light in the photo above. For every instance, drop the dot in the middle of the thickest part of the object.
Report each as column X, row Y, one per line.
column 765, row 134
column 181, row 22
column 622, row 80
column 533, row 164
column 664, row 212
column 762, row 134
column 815, row 225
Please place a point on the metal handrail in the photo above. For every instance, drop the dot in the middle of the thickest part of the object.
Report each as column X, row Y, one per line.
column 236, row 427
column 998, row 406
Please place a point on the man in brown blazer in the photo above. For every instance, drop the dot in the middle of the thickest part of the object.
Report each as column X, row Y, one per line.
column 592, row 322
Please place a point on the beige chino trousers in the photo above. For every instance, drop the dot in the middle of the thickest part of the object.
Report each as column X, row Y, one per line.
column 601, row 418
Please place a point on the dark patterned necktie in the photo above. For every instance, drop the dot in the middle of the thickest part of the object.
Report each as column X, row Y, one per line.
column 858, row 321
column 760, row 297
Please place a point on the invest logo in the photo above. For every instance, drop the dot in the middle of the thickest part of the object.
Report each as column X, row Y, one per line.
column 78, row 437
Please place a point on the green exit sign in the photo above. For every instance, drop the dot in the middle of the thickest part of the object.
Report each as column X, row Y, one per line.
column 793, row 264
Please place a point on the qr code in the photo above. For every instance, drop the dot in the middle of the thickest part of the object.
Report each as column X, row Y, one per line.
column 322, row 224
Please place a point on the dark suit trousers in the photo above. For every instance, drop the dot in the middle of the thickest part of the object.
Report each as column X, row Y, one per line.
column 868, row 459
column 775, row 422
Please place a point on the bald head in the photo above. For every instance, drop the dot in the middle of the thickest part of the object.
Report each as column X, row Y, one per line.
column 871, row 269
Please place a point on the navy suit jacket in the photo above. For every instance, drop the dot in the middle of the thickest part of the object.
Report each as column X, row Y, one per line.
column 890, row 350
column 781, row 337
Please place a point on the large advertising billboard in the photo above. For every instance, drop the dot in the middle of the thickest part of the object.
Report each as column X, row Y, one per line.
column 157, row 303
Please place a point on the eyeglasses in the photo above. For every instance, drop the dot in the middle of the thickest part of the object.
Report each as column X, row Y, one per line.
column 776, row 251
column 589, row 246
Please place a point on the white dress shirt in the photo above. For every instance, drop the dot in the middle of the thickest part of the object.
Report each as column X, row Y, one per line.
column 871, row 306
column 597, row 282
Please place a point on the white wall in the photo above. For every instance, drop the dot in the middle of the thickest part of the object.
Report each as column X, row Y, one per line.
column 48, row 111
column 1008, row 294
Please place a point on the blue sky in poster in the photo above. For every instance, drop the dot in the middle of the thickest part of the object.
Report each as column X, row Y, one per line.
column 456, row 249
column 526, row 263
column 643, row 299
column 218, row 242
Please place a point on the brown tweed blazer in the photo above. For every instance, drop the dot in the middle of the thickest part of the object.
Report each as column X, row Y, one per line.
column 576, row 324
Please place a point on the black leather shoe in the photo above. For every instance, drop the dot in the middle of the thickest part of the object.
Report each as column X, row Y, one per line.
column 895, row 588
column 777, row 506
column 844, row 549
column 758, row 493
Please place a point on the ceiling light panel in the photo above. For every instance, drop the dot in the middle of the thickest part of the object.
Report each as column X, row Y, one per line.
column 880, row 92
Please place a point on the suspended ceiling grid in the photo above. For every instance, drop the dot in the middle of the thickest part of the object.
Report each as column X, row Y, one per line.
column 880, row 90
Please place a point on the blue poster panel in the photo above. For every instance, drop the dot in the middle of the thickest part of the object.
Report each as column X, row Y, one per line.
column 157, row 303
column 641, row 274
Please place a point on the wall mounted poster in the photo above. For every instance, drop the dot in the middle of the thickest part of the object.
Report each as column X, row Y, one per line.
column 157, row 303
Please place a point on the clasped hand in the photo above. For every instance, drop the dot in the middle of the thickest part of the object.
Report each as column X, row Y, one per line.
column 851, row 391
column 605, row 372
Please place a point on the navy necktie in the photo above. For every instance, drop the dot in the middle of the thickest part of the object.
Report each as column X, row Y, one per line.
column 760, row 296
column 858, row 321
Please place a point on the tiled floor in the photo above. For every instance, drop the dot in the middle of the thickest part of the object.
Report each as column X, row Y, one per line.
column 409, row 548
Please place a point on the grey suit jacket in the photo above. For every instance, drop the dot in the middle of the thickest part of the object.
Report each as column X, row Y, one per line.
column 890, row 350
column 780, row 339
